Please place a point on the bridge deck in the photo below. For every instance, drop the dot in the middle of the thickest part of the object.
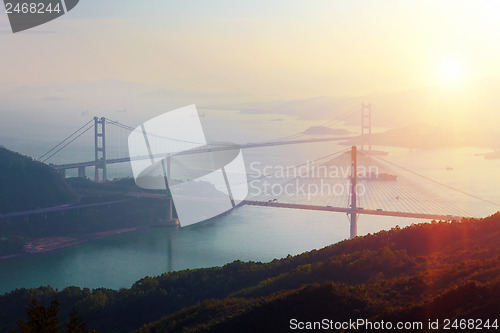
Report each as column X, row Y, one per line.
column 350, row 210
column 201, row 150
column 59, row 208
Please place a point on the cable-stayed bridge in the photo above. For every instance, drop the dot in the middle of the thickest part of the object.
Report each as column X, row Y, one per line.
column 353, row 181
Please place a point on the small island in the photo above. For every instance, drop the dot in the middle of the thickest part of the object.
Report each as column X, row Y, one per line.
column 322, row 130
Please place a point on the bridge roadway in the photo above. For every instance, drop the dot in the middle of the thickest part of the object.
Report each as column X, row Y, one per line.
column 350, row 210
column 60, row 208
column 76, row 206
column 196, row 151
column 245, row 202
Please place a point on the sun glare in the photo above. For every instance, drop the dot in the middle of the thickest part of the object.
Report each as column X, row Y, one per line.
column 451, row 72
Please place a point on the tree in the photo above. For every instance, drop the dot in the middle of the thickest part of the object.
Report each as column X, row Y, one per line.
column 75, row 325
column 42, row 319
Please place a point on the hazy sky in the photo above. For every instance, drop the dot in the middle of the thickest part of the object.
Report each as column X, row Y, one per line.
column 264, row 49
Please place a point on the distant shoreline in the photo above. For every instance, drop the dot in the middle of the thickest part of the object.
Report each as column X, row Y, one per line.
column 50, row 244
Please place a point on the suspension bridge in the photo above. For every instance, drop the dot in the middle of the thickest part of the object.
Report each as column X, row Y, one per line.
column 371, row 185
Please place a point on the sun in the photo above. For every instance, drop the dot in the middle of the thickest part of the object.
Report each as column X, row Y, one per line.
column 451, row 72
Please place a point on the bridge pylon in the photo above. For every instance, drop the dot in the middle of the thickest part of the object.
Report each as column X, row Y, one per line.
column 366, row 126
column 353, row 214
column 100, row 148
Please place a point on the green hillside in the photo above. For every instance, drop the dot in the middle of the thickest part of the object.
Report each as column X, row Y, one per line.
column 26, row 184
column 427, row 271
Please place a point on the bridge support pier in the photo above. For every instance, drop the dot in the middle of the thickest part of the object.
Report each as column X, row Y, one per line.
column 81, row 172
column 171, row 220
column 354, row 180
column 354, row 225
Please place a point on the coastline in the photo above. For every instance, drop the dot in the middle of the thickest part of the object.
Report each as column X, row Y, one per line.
column 49, row 244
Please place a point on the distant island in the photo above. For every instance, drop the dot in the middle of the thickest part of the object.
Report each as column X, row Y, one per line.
column 253, row 111
column 493, row 155
column 322, row 130
column 424, row 136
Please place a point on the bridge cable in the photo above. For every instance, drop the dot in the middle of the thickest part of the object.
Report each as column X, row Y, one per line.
column 386, row 116
column 60, row 143
column 298, row 166
column 132, row 129
column 79, row 135
column 296, row 135
column 410, row 189
column 437, row 182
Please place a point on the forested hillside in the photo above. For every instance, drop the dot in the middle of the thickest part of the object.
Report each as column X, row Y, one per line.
column 427, row 271
column 27, row 184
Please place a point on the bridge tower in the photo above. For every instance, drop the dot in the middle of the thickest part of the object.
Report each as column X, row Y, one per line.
column 366, row 126
column 354, row 180
column 100, row 147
